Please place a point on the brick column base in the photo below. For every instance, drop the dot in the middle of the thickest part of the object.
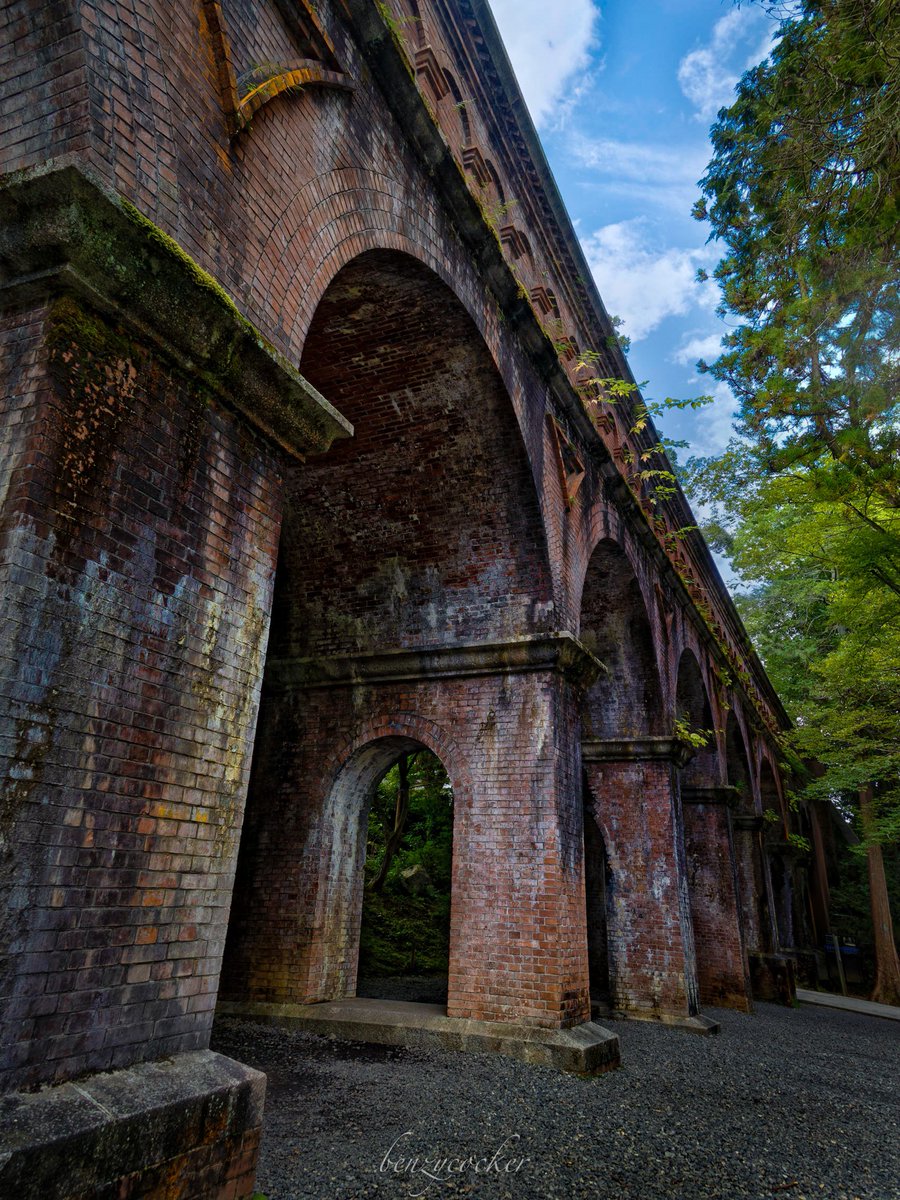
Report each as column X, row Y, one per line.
column 721, row 969
column 187, row 1128
column 634, row 802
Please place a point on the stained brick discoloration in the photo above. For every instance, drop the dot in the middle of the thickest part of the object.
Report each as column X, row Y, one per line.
column 137, row 626
column 165, row 476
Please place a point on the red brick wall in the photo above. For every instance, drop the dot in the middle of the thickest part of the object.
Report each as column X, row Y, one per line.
column 649, row 937
column 721, row 971
column 517, row 948
column 139, row 526
column 424, row 528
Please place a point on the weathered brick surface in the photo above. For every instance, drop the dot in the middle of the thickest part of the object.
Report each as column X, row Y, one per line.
column 649, row 933
column 721, row 968
column 139, row 530
column 141, row 519
column 517, row 940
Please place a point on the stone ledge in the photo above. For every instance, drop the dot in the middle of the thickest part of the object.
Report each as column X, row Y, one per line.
column 698, row 1024
column 62, row 231
column 586, row 1049
column 636, row 749
column 186, row 1128
column 561, row 652
column 729, row 797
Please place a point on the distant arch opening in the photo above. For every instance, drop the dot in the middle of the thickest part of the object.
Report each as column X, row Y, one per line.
column 626, row 700
column 404, row 945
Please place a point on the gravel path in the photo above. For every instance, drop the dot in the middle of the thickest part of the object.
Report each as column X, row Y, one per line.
column 787, row 1103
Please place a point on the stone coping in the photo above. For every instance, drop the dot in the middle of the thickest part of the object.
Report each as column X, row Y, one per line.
column 697, row 1024
column 559, row 652
column 62, row 231
column 728, row 797
column 77, row 1139
column 586, row 1049
column 636, row 749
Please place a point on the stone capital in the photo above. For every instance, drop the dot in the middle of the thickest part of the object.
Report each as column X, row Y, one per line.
column 714, row 795
column 63, row 232
column 750, row 822
column 636, row 749
column 560, row 653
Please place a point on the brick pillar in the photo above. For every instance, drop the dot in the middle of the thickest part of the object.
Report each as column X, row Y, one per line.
column 633, row 797
column 503, row 720
column 772, row 975
column 139, row 524
column 721, row 968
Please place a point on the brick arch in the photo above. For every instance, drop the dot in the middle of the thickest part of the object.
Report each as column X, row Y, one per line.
column 332, row 219
column 615, row 623
column 739, row 770
column 693, row 703
column 752, row 874
column 426, row 527
column 346, row 802
column 413, row 727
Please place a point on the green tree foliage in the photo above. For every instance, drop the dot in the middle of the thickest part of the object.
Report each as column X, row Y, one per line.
column 803, row 193
column 403, row 931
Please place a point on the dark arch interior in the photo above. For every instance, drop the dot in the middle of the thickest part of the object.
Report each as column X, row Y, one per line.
column 597, row 892
column 626, row 700
column 738, row 766
column 424, row 527
column 692, row 707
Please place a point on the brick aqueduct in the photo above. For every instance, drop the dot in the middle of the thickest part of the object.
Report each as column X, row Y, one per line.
column 303, row 468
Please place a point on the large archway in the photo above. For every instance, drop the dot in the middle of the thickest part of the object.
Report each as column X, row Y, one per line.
column 639, row 928
column 408, row 552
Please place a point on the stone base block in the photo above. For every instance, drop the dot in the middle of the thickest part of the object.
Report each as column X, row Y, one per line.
column 584, row 1049
column 600, row 1010
column 773, row 977
column 187, row 1128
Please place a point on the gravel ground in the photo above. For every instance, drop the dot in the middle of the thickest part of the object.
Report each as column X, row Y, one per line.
column 786, row 1103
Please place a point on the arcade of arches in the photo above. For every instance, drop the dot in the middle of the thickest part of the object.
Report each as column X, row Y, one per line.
column 296, row 484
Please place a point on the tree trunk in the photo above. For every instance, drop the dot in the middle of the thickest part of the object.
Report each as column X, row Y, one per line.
column 887, row 966
column 401, row 811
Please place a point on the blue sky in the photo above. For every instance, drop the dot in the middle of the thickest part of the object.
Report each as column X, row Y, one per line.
column 623, row 93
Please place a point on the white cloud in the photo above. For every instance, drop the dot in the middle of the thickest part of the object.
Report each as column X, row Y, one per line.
column 642, row 284
column 638, row 161
column 697, row 346
column 708, row 75
column 549, row 46
column 712, row 424
column 646, row 173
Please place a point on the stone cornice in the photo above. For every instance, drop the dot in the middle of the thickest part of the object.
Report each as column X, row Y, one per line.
column 560, row 653
column 715, row 795
column 62, row 231
column 636, row 749
column 749, row 822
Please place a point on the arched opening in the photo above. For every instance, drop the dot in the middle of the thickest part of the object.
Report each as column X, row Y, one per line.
column 639, row 932
column 404, row 944
column 597, row 896
column 424, row 527
column 626, row 700
column 419, row 535
column 777, row 852
column 693, row 715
